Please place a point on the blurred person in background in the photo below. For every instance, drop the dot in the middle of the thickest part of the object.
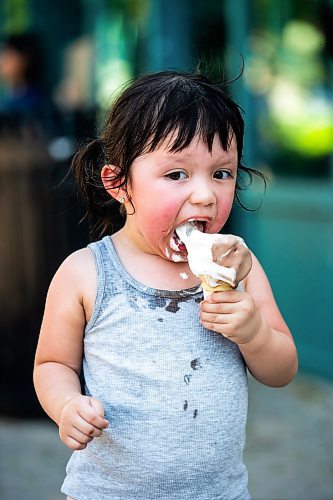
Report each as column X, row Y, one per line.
column 21, row 74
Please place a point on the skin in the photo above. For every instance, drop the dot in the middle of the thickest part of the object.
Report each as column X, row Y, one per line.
column 191, row 184
column 12, row 68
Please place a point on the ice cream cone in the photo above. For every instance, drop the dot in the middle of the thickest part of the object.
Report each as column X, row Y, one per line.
column 221, row 286
column 221, row 261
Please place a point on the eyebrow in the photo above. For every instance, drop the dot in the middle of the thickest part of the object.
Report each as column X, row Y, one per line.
column 220, row 162
column 182, row 154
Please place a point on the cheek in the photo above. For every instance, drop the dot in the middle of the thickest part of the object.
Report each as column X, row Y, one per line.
column 157, row 218
column 165, row 215
column 224, row 210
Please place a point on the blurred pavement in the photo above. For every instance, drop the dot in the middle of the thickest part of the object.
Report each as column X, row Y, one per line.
column 289, row 450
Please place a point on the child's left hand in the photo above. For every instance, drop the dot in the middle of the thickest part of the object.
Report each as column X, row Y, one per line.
column 233, row 314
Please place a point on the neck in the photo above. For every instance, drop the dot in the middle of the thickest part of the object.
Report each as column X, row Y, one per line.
column 150, row 269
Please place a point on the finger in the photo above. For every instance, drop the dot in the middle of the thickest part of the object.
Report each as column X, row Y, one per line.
column 218, row 308
column 74, row 438
column 222, row 319
column 227, row 296
column 80, row 436
column 216, row 327
column 87, row 428
column 93, row 419
column 74, row 444
column 94, row 414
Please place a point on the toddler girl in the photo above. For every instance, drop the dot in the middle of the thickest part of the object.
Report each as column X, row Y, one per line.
column 164, row 410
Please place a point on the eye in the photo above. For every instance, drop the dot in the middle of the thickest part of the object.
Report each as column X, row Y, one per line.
column 177, row 175
column 222, row 174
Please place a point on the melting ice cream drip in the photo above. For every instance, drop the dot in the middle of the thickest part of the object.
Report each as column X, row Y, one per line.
column 178, row 258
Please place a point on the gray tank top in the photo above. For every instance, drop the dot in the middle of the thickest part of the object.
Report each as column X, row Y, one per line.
column 174, row 393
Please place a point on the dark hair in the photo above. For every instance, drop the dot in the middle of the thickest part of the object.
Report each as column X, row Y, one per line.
column 141, row 118
column 28, row 46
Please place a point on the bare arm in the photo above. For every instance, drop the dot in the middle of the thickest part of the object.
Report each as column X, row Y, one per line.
column 253, row 320
column 59, row 353
column 271, row 356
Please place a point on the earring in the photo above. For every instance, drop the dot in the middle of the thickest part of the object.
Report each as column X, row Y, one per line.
column 122, row 200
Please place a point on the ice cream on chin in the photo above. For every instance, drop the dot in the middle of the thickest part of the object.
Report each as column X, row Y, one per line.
column 221, row 261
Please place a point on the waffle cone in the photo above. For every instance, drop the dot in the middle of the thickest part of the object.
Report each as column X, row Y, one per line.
column 221, row 287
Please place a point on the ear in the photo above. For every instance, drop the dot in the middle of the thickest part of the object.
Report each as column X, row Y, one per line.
column 111, row 184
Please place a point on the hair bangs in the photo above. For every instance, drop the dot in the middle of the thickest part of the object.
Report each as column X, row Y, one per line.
column 181, row 116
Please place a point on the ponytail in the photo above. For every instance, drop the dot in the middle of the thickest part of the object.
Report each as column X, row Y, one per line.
column 102, row 211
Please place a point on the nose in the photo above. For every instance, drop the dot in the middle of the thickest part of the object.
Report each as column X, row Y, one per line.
column 202, row 194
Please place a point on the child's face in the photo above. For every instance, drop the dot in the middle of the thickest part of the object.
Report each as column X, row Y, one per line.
column 168, row 189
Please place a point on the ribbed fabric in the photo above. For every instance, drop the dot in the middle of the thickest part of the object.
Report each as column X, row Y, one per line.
column 174, row 393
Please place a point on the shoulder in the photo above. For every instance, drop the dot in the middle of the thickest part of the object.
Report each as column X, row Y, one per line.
column 67, row 310
column 77, row 268
column 76, row 280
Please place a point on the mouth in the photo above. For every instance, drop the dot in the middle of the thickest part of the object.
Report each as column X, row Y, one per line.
column 177, row 244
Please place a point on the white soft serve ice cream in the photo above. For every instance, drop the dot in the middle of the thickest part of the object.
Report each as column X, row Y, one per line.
column 217, row 257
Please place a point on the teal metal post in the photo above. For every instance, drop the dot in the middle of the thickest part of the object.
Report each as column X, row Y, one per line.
column 168, row 41
column 237, row 14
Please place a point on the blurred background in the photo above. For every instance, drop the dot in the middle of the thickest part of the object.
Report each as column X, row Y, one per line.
column 61, row 64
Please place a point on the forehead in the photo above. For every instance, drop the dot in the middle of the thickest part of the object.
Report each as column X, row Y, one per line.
column 197, row 146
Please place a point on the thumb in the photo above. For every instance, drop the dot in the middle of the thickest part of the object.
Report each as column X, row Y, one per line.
column 97, row 406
